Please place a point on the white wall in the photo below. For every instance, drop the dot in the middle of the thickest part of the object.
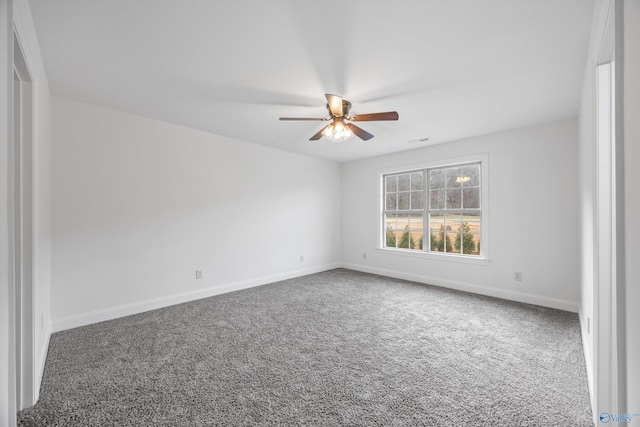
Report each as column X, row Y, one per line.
column 533, row 222
column 632, row 200
column 139, row 205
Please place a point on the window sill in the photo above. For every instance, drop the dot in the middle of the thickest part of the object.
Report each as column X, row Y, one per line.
column 433, row 256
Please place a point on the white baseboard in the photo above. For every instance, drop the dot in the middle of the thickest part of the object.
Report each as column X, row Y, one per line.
column 527, row 298
column 42, row 357
column 110, row 313
column 40, row 362
column 588, row 360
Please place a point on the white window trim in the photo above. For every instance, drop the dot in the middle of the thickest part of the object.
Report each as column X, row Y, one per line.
column 483, row 258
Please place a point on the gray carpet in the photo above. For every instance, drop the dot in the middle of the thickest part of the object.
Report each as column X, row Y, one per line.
column 334, row 348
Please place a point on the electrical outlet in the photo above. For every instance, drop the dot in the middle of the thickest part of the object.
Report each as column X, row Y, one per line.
column 364, row 255
column 301, row 258
column 517, row 276
column 198, row 274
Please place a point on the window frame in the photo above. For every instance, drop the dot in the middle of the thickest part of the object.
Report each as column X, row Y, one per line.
column 425, row 253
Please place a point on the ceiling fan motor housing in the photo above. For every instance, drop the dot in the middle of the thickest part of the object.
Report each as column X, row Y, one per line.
column 346, row 106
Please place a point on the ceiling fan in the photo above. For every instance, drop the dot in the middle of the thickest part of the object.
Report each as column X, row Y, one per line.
column 340, row 127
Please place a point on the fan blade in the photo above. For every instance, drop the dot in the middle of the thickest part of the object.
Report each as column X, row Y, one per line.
column 318, row 135
column 302, row 118
column 335, row 105
column 360, row 133
column 390, row 115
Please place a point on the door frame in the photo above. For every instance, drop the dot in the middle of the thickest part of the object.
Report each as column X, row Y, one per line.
column 21, row 223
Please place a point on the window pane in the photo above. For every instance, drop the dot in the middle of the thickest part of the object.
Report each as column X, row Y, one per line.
column 404, row 239
column 437, row 199
column 434, row 242
column 417, row 239
column 404, row 236
column 390, row 231
column 453, row 177
column 402, row 222
column 471, row 223
column 469, row 245
column 473, row 173
column 403, row 182
column 417, row 183
column 436, row 225
column 390, row 221
column 436, row 178
column 471, row 198
column 453, row 240
column 417, row 200
column 415, row 222
column 454, row 199
column 468, row 236
column 436, row 222
column 391, row 183
column 390, row 203
column 452, row 222
column 415, row 226
column 476, row 240
column 403, row 201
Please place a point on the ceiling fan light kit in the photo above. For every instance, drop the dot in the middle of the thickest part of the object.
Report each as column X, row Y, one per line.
column 340, row 129
column 337, row 131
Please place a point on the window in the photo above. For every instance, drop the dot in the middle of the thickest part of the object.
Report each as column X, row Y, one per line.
column 442, row 203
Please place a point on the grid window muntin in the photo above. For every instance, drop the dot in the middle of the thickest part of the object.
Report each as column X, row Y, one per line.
column 404, row 209
column 443, row 203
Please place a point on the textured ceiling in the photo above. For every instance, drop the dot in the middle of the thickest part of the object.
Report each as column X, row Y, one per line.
column 451, row 68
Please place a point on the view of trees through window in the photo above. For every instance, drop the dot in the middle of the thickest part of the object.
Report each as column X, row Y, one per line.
column 443, row 203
